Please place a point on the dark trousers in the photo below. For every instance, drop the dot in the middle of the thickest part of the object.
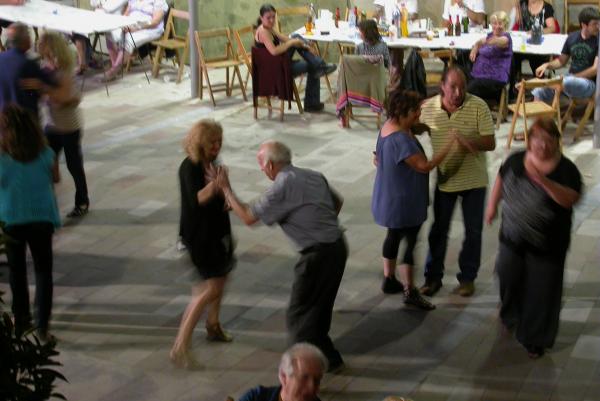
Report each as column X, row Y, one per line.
column 535, row 60
column 531, row 294
column 318, row 274
column 472, row 203
column 72, row 145
column 488, row 89
column 309, row 65
column 38, row 236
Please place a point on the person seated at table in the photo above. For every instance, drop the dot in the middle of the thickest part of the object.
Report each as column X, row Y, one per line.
column 372, row 46
column 151, row 13
column 385, row 9
column 582, row 48
column 527, row 15
column 82, row 43
column 5, row 23
column 473, row 9
column 276, row 43
column 491, row 57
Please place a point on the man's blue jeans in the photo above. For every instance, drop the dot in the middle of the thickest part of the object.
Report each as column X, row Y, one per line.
column 573, row 87
column 472, row 203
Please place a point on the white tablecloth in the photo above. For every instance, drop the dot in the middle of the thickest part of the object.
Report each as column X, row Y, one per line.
column 56, row 17
column 552, row 44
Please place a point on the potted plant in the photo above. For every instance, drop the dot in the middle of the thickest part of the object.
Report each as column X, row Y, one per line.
column 26, row 364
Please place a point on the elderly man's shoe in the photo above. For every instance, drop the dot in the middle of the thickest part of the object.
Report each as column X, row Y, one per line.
column 431, row 287
column 465, row 289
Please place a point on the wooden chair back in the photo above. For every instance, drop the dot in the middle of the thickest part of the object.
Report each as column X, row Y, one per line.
column 348, row 112
column 434, row 78
column 228, row 59
column 535, row 108
column 173, row 41
column 219, row 34
column 287, row 12
column 241, row 35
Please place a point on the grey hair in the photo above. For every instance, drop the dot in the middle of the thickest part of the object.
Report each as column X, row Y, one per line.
column 17, row 35
column 276, row 152
column 295, row 352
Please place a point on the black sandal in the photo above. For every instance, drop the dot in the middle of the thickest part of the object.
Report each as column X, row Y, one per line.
column 79, row 211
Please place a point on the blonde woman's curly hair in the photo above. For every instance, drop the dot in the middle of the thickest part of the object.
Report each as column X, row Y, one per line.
column 198, row 137
column 54, row 46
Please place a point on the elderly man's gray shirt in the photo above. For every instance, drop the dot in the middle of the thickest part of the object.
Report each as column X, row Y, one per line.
column 301, row 201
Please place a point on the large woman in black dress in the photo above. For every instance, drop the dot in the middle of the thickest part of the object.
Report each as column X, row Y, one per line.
column 540, row 187
column 206, row 232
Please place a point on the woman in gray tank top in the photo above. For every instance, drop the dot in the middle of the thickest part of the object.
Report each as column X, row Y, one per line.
column 64, row 128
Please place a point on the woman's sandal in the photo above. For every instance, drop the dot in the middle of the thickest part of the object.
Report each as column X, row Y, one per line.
column 183, row 360
column 79, row 211
column 216, row 333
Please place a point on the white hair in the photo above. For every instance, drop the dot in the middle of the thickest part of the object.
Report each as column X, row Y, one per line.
column 289, row 360
column 276, row 152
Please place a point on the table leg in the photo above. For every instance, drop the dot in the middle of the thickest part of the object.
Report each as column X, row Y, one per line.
column 138, row 53
column 322, row 55
column 103, row 69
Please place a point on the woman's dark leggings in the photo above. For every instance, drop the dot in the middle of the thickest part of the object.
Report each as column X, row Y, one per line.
column 392, row 243
column 38, row 236
column 71, row 142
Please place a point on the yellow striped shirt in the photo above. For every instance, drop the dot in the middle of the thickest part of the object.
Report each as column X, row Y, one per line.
column 460, row 170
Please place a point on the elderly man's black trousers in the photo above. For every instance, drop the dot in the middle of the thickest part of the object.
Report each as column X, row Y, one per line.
column 318, row 274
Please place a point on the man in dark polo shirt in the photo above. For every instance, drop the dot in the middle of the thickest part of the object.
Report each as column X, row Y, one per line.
column 16, row 68
column 306, row 207
column 581, row 48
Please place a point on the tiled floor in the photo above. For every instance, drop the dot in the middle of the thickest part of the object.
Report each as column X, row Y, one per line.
column 120, row 284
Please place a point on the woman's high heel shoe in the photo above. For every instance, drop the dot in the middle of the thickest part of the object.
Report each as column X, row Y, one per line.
column 216, row 333
column 183, row 359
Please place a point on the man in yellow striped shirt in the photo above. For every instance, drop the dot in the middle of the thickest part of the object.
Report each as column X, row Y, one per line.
column 462, row 174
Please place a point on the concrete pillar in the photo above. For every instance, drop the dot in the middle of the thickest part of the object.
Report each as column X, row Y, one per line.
column 194, row 26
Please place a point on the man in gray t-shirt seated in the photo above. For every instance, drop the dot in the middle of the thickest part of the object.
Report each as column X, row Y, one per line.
column 306, row 207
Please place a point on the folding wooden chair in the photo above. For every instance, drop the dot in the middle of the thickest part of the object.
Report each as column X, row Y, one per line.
column 272, row 77
column 434, row 78
column 589, row 109
column 350, row 66
column 172, row 41
column 501, row 106
column 225, row 61
column 242, row 53
column 535, row 108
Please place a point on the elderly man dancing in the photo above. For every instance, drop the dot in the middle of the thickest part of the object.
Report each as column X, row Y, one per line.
column 306, row 207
